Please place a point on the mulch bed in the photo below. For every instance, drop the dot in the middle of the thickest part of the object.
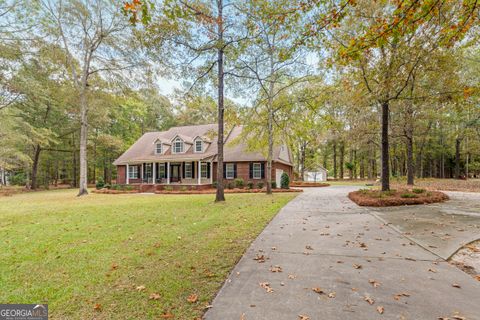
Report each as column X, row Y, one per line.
column 109, row 191
column 206, row 191
column 213, row 191
column 399, row 197
column 308, row 184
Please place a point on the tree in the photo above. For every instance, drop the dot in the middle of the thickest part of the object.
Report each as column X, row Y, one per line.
column 93, row 34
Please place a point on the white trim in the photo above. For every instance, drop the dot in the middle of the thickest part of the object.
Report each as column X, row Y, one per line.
column 156, row 148
column 154, row 164
column 206, row 170
column 178, row 139
column 126, row 174
column 259, row 170
column 199, row 174
column 232, row 171
column 195, row 145
column 168, row 172
column 188, row 164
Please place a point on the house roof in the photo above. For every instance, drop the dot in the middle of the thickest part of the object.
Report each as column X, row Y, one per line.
column 143, row 150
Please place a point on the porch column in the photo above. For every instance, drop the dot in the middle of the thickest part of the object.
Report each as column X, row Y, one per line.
column 199, row 175
column 211, row 172
column 154, row 173
column 141, row 173
column 127, row 175
column 168, row 172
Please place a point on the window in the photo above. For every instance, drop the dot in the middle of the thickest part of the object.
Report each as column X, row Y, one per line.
column 230, row 171
column 132, row 172
column 257, row 171
column 178, row 146
column 198, row 146
column 204, row 170
column 161, row 170
column 188, row 170
column 158, row 148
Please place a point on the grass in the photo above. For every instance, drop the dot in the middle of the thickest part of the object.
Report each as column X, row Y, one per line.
column 90, row 257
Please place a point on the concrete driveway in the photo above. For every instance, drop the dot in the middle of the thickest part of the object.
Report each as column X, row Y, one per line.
column 363, row 263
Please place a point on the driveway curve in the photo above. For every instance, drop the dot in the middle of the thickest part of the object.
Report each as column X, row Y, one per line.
column 363, row 263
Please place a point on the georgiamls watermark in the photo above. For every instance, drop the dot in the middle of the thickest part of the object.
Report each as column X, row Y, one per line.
column 23, row 312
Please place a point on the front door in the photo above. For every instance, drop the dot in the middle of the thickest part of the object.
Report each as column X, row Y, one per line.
column 278, row 177
column 175, row 177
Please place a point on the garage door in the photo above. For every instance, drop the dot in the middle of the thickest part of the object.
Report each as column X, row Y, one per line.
column 278, row 176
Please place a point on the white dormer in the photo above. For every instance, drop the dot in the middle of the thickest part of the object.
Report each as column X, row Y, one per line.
column 198, row 145
column 178, row 145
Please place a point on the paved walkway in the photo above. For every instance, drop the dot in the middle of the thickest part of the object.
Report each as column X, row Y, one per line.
column 364, row 261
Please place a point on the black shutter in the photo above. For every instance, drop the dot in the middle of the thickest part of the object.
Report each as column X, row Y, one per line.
column 208, row 169
column 224, row 171
column 183, row 170
column 263, row 170
column 251, row 170
column 193, row 170
column 235, row 170
column 164, row 170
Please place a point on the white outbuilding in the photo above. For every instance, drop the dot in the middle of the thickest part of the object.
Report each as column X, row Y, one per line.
column 318, row 175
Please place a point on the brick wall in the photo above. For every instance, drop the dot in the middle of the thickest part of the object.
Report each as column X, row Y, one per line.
column 243, row 171
column 121, row 174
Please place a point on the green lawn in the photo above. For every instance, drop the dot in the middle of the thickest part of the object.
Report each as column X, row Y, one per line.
column 75, row 253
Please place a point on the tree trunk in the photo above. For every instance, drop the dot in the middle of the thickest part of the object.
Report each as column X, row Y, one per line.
column 302, row 157
column 457, row 158
column 385, row 152
column 342, row 159
column 83, row 143
column 36, row 159
column 335, row 159
column 220, row 196
column 410, row 165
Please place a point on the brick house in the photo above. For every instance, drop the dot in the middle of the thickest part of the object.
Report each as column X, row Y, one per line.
column 187, row 156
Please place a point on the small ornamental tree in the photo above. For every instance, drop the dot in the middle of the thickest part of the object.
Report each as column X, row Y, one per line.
column 285, row 181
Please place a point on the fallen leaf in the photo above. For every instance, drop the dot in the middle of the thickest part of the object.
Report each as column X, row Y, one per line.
column 291, row 276
column 276, row 269
column 140, row 288
column 369, row 300
column 374, row 283
column 357, row 266
column 318, row 290
column 380, row 309
column 167, row 315
column 332, row 294
column 266, row 286
column 259, row 258
column 399, row 295
column 154, row 296
column 97, row 307
column 114, row 266
column 192, row 298
column 242, row 317
column 303, row 317
column 308, row 247
column 477, row 277
column 456, row 285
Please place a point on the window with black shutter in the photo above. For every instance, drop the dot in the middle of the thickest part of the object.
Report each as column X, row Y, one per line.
column 251, row 170
column 235, row 170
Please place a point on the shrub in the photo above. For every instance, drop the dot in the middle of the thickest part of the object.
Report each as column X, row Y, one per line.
column 100, row 184
column 18, row 179
column 250, row 185
column 284, row 181
column 274, row 185
column 168, row 188
column 239, row 183
column 418, row 190
column 230, row 185
column 128, row 188
column 116, row 187
column 260, row 185
column 364, row 191
column 184, row 188
column 107, row 186
column 408, row 195
column 389, row 192
column 215, row 184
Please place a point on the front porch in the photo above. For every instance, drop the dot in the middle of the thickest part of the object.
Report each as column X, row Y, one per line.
column 178, row 173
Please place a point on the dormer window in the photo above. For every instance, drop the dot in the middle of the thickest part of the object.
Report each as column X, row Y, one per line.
column 158, row 148
column 198, row 146
column 178, row 146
